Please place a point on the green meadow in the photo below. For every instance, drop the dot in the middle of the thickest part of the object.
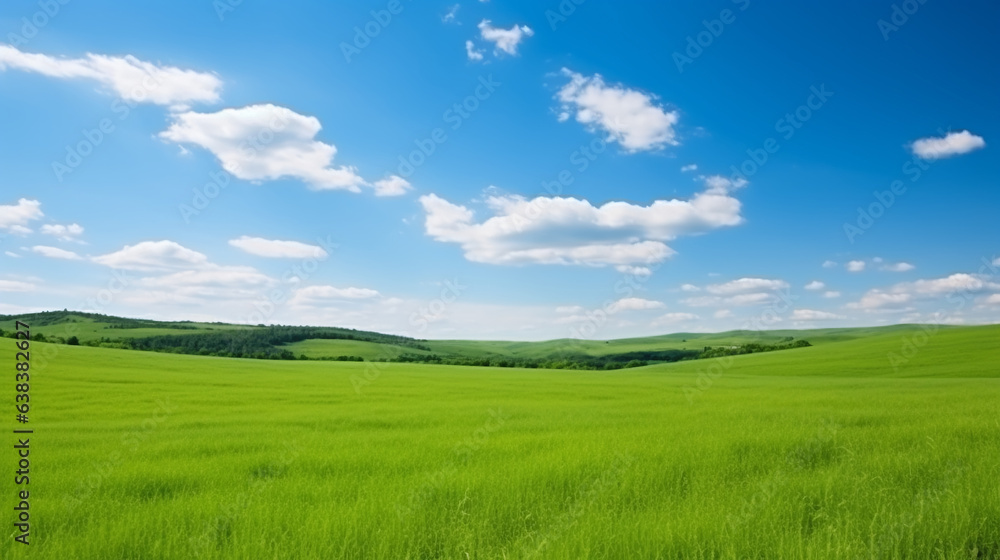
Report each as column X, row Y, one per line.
column 872, row 443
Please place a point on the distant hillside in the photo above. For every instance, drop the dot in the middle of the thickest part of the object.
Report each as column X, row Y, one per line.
column 332, row 343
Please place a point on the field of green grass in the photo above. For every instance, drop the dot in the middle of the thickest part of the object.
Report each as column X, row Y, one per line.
column 833, row 451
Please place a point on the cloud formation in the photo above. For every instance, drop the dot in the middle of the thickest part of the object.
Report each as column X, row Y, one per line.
column 570, row 231
column 952, row 144
column 265, row 143
column 627, row 116
column 127, row 77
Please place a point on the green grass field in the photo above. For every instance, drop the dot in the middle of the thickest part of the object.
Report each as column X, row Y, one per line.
column 821, row 452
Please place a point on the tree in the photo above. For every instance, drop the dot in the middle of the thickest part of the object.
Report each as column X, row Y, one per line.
column 73, row 341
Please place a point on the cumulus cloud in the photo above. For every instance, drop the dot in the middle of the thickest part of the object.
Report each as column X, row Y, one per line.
column 673, row 319
column 452, row 14
column 634, row 304
column 153, row 256
column 831, row 294
column 571, row 231
column 264, row 143
column 740, row 292
column 746, row 285
column 472, row 52
column 952, row 144
column 394, row 185
column 855, row 266
column 686, row 168
column 55, row 253
column 318, row 295
column 898, row 267
column 829, row 264
column 634, row 270
column 814, row 315
column 905, row 293
column 629, row 117
column 127, row 77
column 15, row 286
column 276, row 249
column 815, row 285
column 506, row 40
column 14, row 218
column 63, row 232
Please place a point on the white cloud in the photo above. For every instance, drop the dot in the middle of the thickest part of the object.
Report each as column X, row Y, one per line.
column 276, row 249
column 814, row 315
column 15, row 286
column 952, row 144
column 907, row 292
column 634, row 304
column 451, row 15
column 12, row 254
column 899, row 267
column 746, row 285
column 855, row 266
column 829, row 264
column 723, row 314
column 740, row 292
column 994, row 299
column 570, row 309
column 15, row 217
column 815, row 285
column 210, row 280
column 673, row 319
column 506, row 40
column 690, row 288
column 394, row 185
column 128, row 77
column 63, row 232
column 996, row 262
column 634, row 270
column 153, row 256
column 720, row 185
column 831, row 294
column 472, row 52
column 574, row 232
column 55, row 253
column 317, row 295
column 628, row 116
column 265, row 142
column 686, row 168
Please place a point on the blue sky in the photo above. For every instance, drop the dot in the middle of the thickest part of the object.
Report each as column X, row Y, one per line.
column 518, row 170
